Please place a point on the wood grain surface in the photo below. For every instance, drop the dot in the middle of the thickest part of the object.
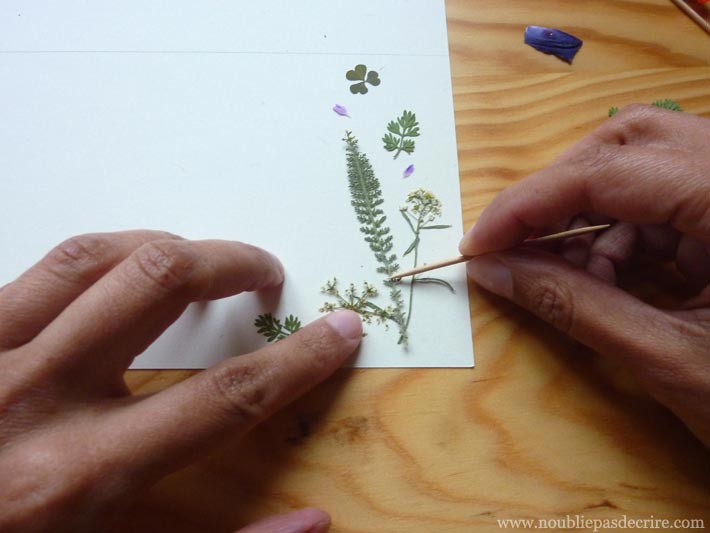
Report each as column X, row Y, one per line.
column 541, row 428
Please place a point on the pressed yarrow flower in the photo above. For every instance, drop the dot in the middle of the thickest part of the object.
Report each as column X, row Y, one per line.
column 358, row 300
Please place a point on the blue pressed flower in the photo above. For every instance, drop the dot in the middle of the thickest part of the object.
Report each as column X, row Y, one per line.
column 553, row 41
column 340, row 110
column 408, row 171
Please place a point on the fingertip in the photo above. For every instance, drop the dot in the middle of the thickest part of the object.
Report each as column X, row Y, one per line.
column 467, row 244
column 347, row 324
column 309, row 520
column 319, row 521
column 271, row 265
column 279, row 270
column 491, row 274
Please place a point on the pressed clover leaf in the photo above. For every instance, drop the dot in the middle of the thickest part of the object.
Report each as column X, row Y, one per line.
column 360, row 75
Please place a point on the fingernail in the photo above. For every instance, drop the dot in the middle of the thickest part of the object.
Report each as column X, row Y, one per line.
column 466, row 241
column 279, row 267
column 347, row 323
column 307, row 521
column 492, row 275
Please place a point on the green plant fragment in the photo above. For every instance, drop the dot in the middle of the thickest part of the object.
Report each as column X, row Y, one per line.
column 273, row 329
column 401, row 134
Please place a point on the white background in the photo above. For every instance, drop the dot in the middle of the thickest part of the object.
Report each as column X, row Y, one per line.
column 225, row 130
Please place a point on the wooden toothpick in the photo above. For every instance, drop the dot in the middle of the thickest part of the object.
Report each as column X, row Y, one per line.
column 463, row 258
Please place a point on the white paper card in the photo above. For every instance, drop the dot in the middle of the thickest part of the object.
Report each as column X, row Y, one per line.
column 214, row 119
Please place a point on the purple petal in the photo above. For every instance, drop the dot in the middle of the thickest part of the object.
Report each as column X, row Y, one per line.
column 408, row 171
column 553, row 41
column 340, row 110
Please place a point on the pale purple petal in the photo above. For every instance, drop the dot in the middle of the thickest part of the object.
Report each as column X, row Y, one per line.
column 408, row 171
column 340, row 110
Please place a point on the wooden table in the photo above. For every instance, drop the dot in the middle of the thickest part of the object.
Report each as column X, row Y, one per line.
column 541, row 428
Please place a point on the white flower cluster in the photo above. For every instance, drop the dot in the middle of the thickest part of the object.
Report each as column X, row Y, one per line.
column 356, row 300
column 422, row 204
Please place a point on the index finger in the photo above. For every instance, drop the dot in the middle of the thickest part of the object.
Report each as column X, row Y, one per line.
column 157, row 434
column 634, row 184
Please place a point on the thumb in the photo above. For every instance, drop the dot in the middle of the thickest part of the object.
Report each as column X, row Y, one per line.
column 303, row 521
column 601, row 316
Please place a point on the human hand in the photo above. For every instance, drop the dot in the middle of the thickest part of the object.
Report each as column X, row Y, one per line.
column 74, row 444
column 647, row 171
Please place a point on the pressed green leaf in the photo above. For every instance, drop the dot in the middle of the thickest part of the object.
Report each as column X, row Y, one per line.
column 437, row 226
column 359, row 88
column 403, row 129
column 390, row 142
column 272, row 328
column 412, row 246
column 373, row 78
column 292, row 324
column 357, row 74
column 408, row 146
column 667, row 103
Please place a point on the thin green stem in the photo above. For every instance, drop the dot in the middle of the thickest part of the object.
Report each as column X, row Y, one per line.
column 413, row 281
column 409, row 222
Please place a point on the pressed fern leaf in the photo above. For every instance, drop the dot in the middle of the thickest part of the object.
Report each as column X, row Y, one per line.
column 271, row 327
column 667, row 104
column 401, row 132
column 366, row 199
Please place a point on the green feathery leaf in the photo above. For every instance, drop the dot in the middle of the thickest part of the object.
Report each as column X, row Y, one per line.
column 401, row 132
column 271, row 327
column 667, row 104
column 366, row 199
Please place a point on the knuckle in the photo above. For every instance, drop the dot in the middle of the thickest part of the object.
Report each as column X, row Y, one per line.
column 77, row 257
column 170, row 235
column 553, row 303
column 635, row 111
column 170, row 265
column 637, row 121
column 241, row 390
